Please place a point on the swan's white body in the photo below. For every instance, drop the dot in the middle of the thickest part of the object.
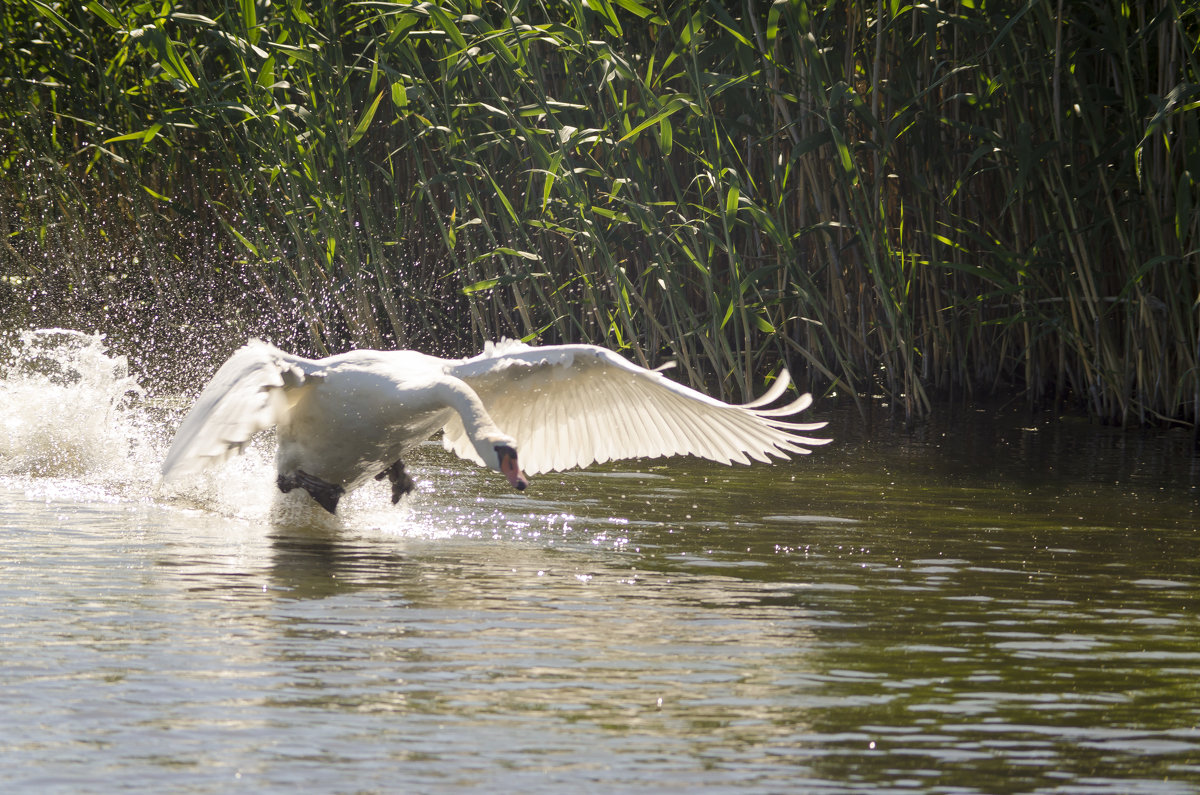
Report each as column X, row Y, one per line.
column 346, row 418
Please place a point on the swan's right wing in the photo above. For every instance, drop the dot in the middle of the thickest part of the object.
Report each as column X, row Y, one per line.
column 247, row 395
column 572, row 405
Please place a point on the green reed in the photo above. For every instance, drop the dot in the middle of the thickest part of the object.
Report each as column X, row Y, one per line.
column 907, row 200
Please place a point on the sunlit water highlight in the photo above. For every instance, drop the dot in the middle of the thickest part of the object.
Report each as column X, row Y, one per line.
column 985, row 606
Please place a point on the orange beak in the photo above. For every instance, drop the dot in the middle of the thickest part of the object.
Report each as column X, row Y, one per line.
column 512, row 470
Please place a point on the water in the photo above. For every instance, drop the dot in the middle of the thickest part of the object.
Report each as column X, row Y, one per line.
column 992, row 604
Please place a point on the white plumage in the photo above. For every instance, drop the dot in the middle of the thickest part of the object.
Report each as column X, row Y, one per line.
column 348, row 418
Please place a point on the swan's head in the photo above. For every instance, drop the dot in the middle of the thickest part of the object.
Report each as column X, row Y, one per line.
column 500, row 453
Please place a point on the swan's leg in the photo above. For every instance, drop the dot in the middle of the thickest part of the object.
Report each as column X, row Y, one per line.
column 401, row 483
column 326, row 494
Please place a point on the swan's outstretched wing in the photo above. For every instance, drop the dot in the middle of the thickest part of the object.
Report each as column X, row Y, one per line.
column 572, row 405
column 244, row 397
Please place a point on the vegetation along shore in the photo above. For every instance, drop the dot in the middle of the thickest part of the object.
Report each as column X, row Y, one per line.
column 917, row 200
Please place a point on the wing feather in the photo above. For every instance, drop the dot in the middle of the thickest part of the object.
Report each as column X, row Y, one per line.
column 648, row 432
column 245, row 396
column 572, row 405
column 647, row 436
column 740, row 438
column 700, row 439
column 585, row 407
column 557, row 448
column 795, row 407
column 775, row 392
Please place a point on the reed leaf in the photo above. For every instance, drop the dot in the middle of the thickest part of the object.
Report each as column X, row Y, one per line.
column 909, row 201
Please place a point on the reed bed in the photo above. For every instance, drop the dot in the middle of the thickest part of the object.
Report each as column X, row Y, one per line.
column 908, row 201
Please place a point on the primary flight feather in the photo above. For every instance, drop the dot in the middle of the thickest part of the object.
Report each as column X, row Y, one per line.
column 346, row 419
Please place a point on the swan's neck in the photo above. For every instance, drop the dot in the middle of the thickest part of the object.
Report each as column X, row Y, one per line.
column 460, row 397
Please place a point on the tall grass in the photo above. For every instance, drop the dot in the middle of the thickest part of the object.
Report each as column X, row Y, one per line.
column 907, row 200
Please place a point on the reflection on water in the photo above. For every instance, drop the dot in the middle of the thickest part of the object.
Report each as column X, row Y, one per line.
column 995, row 604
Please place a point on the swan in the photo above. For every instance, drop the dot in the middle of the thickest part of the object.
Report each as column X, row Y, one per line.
column 347, row 419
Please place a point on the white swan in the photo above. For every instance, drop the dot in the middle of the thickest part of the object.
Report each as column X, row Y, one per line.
column 348, row 418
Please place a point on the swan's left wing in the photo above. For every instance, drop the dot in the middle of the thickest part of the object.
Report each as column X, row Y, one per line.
column 572, row 405
column 245, row 396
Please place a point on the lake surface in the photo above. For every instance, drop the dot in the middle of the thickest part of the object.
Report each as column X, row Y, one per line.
column 991, row 603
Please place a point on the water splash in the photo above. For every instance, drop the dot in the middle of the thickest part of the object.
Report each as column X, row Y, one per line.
column 68, row 409
column 74, row 421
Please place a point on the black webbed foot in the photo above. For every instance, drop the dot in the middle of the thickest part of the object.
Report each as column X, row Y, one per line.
column 325, row 494
column 401, row 483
